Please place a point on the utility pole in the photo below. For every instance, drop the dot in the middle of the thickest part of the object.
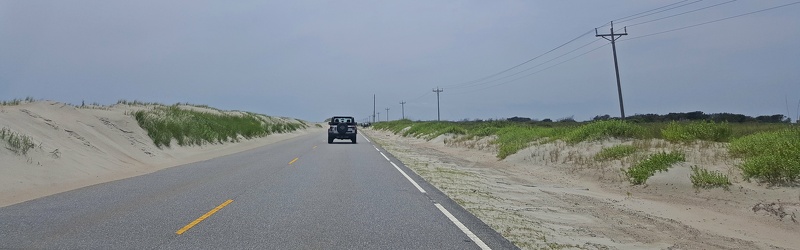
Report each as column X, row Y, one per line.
column 613, row 39
column 438, row 114
column 387, row 114
column 373, row 108
column 403, row 109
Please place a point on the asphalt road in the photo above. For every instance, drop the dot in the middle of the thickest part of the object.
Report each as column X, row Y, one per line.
column 300, row 193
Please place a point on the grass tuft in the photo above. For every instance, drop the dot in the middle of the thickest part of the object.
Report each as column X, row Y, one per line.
column 703, row 178
column 17, row 143
column 615, row 153
column 639, row 173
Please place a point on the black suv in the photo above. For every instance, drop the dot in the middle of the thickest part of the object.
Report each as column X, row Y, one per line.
column 342, row 127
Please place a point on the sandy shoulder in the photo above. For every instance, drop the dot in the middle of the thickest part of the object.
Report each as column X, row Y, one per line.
column 553, row 196
column 78, row 147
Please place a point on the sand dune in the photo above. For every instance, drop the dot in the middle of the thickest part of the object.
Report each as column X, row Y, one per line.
column 81, row 146
column 554, row 196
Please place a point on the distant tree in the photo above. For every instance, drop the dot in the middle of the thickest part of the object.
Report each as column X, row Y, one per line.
column 696, row 116
column 547, row 120
column 519, row 119
column 567, row 119
column 601, row 117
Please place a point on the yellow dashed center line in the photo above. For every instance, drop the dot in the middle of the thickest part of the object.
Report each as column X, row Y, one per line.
column 295, row 159
column 205, row 216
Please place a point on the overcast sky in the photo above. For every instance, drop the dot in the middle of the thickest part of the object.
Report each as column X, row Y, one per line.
column 315, row 59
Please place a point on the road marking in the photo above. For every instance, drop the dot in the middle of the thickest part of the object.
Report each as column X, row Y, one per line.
column 295, row 159
column 205, row 216
column 408, row 178
column 365, row 138
column 384, row 156
column 463, row 228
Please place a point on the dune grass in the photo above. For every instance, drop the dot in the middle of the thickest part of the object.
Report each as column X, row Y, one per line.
column 18, row 143
column 641, row 171
column 703, row 178
column 704, row 131
column 615, row 152
column 187, row 127
column 15, row 101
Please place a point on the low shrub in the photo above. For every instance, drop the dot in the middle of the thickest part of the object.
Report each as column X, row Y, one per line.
column 771, row 157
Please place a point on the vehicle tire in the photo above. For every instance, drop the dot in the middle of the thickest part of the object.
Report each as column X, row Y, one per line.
column 330, row 140
column 353, row 139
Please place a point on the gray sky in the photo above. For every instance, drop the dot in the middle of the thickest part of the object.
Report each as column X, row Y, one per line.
column 316, row 59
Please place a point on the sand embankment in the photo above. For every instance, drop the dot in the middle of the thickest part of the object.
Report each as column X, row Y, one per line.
column 555, row 195
column 82, row 146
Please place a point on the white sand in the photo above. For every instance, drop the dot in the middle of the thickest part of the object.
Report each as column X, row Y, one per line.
column 555, row 195
column 94, row 145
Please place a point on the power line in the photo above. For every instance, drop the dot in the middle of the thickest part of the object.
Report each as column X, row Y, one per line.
column 710, row 22
column 644, row 12
column 536, row 66
column 539, row 71
column 629, row 19
column 516, row 66
column 687, row 12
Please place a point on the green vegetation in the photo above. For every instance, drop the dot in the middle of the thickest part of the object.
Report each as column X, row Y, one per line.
column 513, row 136
column 188, row 127
column 16, row 101
column 615, row 153
column 771, row 151
column 639, row 173
column 772, row 156
column 602, row 130
column 17, row 143
column 702, row 178
column 688, row 132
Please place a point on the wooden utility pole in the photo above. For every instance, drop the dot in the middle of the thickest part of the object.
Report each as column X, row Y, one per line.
column 613, row 39
column 438, row 114
column 403, row 109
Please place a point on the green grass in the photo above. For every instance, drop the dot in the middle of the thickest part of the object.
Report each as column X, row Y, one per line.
column 164, row 124
column 18, row 143
column 705, row 131
column 615, row 152
column 604, row 129
column 702, row 178
column 772, row 157
column 641, row 171
column 16, row 101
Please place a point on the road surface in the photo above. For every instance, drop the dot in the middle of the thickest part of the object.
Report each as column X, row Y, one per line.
column 301, row 193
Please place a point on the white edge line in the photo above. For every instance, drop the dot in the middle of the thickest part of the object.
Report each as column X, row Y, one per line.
column 408, row 178
column 365, row 138
column 384, row 156
column 463, row 228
